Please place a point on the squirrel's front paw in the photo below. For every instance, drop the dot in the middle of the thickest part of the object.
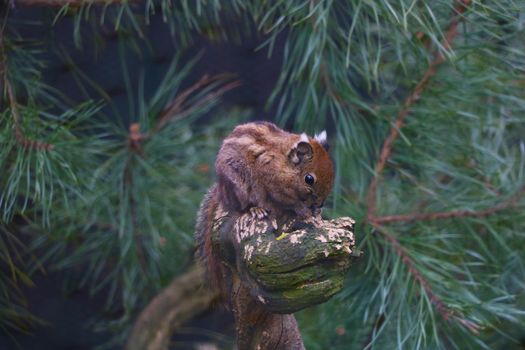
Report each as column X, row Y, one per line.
column 258, row 213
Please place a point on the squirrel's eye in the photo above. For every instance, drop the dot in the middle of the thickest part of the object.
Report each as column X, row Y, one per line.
column 309, row 179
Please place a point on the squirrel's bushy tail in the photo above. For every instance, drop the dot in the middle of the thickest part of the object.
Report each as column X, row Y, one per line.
column 203, row 236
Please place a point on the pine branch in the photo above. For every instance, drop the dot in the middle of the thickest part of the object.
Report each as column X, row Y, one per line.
column 324, row 77
column 128, row 183
column 177, row 110
column 446, row 313
column 507, row 204
column 386, row 150
column 20, row 137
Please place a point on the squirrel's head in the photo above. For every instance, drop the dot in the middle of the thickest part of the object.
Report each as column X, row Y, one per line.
column 315, row 172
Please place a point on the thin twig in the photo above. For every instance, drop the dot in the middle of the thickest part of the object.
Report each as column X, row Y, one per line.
column 510, row 203
column 128, row 182
column 440, row 215
column 175, row 106
column 446, row 313
column 20, row 137
column 386, row 150
column 176, row 109
column 212, row 95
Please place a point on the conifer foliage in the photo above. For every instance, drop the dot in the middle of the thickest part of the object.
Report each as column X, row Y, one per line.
column 425, row 105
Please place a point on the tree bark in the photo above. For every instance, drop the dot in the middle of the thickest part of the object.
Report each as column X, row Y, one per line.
column 274, row 270
column 257, row 328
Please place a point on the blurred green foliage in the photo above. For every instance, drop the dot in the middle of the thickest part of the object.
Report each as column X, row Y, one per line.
column 122, row 215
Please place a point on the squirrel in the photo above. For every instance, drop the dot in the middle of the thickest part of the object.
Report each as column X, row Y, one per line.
column 268, row 172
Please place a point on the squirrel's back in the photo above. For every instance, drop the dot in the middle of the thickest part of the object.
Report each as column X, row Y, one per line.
column 261, row 165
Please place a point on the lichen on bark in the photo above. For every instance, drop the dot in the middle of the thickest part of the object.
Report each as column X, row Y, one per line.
column 276, row 269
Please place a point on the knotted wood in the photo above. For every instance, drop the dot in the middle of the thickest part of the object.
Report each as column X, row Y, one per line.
column 275, row 269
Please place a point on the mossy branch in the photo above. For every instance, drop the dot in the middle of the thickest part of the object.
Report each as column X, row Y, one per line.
column 276, row 269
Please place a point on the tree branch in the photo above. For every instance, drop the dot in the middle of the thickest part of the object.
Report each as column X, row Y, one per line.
column 446, row 313
column 177, row 110
column 510, row 203
column 185, row 298
column 386, row 150
column 128, row 184
column 20, row 137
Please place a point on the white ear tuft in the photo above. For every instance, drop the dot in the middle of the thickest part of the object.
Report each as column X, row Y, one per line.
column 304, row 138
column 321, row 138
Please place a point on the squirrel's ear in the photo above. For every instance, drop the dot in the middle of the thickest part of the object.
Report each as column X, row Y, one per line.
column 321, row 138
column 301, row 151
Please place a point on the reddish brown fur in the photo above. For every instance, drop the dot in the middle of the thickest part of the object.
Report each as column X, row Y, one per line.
column 203, row 237
column 254, row 169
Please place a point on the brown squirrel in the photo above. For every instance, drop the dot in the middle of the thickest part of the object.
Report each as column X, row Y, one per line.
column 268, row 172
